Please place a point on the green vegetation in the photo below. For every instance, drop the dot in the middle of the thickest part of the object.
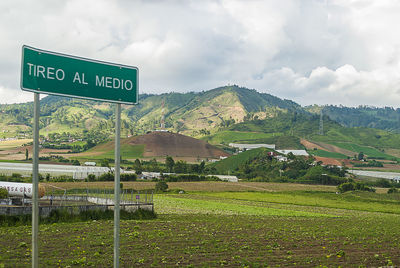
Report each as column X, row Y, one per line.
column 233, row 162
column 161, row 186
column 3, row 193
column 354, row 186
column 64, row 215
column 293, row 228
column 370, row 152
column 385, row 118
column 261, row 165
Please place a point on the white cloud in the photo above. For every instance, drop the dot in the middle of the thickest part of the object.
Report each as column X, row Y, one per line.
column 345, row 85
column 309, row 51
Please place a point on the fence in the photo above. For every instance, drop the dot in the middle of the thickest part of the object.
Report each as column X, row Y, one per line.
column 98, row 199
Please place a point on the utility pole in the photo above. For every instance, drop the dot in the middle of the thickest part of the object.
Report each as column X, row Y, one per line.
column 321, row 123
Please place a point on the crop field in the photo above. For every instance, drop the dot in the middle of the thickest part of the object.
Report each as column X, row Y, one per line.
column 274, row 227
column 13, row 144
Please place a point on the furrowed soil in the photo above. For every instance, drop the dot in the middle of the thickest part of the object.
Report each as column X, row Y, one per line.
column 297, row 228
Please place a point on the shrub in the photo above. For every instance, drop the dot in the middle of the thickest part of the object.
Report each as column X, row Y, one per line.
column 106, row 177
column 392, row 190
column 91, row 177
column 161, row 186
column 3, row 193
column 352, row 186
column 128, row 177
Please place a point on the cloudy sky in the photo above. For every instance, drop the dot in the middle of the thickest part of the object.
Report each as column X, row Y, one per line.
column 313, row 52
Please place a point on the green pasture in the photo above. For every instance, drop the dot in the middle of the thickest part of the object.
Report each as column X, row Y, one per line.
column 234, row 161
column 369, row 151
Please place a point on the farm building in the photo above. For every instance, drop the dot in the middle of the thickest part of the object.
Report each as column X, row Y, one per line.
column 242, row 146
column 294, row 152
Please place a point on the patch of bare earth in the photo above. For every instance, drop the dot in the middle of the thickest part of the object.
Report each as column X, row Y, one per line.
column 175, row 145
column 328, row 161
column 326, row 147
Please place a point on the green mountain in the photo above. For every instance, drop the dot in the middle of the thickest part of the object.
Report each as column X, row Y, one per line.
column 386, row 118
column 219, row 116
column 190, row 113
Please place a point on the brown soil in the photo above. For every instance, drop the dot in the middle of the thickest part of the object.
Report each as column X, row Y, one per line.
column 175, row 145
column 328, row 161
column 326, row 147
column 310, row 145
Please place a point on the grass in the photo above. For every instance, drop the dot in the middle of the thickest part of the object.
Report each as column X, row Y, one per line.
column 369, row 151
column 323, row 153
column 234, row 161
column 221, row 228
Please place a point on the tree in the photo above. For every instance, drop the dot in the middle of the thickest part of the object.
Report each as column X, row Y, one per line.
column 360, row 156
column 153, row 164
column 26, row 154
column 201, row 167
column 169, row 162
column 137, row 166
column 104, row 163
column 3, row 193
column 180, row 166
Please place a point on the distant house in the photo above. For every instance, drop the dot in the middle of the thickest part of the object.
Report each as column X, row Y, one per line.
column 90, row 164
column 294, row 152
column 243, row 146
column 281, row 158
column 149, row 175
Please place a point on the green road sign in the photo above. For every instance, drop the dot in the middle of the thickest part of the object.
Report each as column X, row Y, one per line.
column 59, row 74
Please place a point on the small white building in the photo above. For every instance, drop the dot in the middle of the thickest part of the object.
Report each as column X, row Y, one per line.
column 90, row 164
column 281, row 158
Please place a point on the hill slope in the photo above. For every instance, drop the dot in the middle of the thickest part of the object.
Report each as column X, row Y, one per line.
column 155, row 145
column 184, row 112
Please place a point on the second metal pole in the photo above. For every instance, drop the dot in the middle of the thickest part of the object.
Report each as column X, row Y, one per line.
column 35, row 181
column 117, row 184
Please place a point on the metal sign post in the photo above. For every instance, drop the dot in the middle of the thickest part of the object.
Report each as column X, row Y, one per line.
column 117, row 186
column 66, row 75
column 35, row 181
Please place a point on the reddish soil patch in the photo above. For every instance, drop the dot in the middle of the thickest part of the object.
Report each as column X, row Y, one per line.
column 326, row 147
column 328, row 161
column 310, row 145
column 173, row 144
